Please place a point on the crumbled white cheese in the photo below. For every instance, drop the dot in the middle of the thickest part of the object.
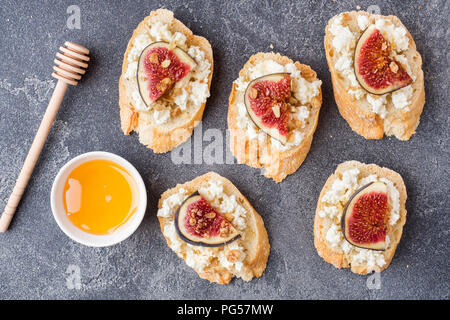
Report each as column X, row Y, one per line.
column 298, row 138
column 199, row 94
column 345, row 246
column 213, row 191
column 179, row 39
column 301, row 114
column 329, row 211
column 161, row 116
column 224, row 257
column 203, row 68
column 241, row 84
column 395, row 35
column 304, row 90
column 369, row 257
column 252, row 130
column 292, row 70
column 342, row 189
column 401, row 98
column 405, row 64
column 131, row 70
column 363, row 22
column 198, row 257
column 181, row 100
column 394, row 196
column 343, row 37
column 137, row 101
column 343, row 63
column 159, row 31
column 368, row 179
column 358, row 93
column 171, row 202
column 378, row 104
column 265, row 67
column 334, row 235
column 139, row 44
column 171, row 234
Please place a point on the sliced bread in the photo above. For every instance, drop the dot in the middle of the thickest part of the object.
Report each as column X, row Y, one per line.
column 371, row 116
column 170, row 120
column 249, row 144
column 246, row 257
column 328, row 236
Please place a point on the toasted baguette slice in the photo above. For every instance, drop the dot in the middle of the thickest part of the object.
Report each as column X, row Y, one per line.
column 254, row 238
column 277, row 164
column 335, row 255
column 359, row 114
column 164, row 137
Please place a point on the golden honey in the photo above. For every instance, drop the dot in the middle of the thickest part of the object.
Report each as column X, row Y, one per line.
column 100, row 196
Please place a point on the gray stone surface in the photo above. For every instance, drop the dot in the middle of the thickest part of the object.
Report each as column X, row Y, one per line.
column 35, row 254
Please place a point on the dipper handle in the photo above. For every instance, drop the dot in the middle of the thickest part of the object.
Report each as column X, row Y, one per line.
column 67, row 72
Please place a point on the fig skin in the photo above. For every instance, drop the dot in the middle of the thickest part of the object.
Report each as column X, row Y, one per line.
column 271, row 131
column 185, row 237
column 401, row 77
column 348, row 210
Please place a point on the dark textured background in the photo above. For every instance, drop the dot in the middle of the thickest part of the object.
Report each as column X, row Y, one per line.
column 35, row 254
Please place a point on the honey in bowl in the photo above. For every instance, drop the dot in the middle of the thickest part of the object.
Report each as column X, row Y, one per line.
column 100, row 196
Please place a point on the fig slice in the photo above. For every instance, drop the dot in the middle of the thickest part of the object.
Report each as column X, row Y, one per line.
column 375, row 68
column 364, row 221
column 267, row 102
column 199, row 224
column 160, row 66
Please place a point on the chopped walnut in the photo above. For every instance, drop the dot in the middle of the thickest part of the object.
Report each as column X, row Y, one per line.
column 153, row 58
column 253, row 93
column 224, row 228
column 157, row 105
column 295, row 124
column 164, row 84
column 229, row 216
column 308, row 73
column 210, row 215
column 293, row 101
column 165, row 63
column 394, row 67
column 175, row 112
column 233, row 255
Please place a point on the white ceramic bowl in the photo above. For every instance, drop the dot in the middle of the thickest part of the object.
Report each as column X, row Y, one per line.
column 79, row 235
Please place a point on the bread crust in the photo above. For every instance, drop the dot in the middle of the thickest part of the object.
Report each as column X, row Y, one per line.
column 251, row 152
column 256, row 260
column 338, row 258
column 364, row 122
column 158, row 138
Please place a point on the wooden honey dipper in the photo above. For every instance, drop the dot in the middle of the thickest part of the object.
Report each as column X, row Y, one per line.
column 70, row 65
